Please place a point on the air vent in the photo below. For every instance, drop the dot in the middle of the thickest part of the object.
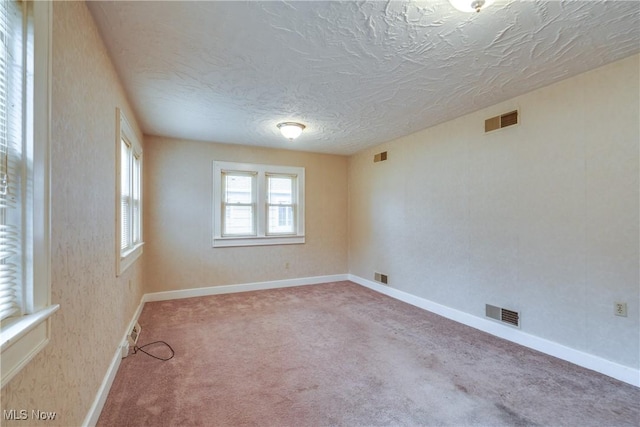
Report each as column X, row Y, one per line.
column 503, row 315
column 502, row 121
column 380, row 157
column 511, row 317
column 382, row 278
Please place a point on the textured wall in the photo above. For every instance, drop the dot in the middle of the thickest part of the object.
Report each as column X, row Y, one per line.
column 178, row 190
column 541, row 217
column 95, row 307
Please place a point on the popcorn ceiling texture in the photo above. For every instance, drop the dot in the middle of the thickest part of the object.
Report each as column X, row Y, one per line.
column 356, row 73
column 95, row 307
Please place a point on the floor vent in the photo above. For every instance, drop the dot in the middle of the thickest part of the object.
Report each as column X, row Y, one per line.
column 380, row 157
column 502, row 314
column 502, row 121
column 382, row 278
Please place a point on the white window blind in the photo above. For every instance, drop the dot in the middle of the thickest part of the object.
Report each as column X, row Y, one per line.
column 129, row 195
column 125, row 196
column 11, row 284
column 135, row 200
column 25, row 96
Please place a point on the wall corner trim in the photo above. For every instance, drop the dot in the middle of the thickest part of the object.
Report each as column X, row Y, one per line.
column 620, row 372
column 101, row 397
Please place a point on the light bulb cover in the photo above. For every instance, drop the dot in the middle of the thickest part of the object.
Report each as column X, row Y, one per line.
column 291, row 130
column 470, row 5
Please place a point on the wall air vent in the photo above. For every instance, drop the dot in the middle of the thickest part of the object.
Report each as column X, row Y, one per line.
column 380, row 157
column 503, row 315
column 502, row 121
column 382, row 278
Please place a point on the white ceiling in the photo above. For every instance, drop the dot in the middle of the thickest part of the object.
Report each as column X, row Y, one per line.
column 356, row 73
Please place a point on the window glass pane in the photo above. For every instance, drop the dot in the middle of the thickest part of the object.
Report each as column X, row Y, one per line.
column 238, row 220
column 280, row 189
column 281, row 219
column 12, row 206
column 125, row 179
column 238, row 188
column 125, row 195
column 136, row 200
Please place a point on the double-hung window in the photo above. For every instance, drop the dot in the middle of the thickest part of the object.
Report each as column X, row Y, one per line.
column 129, row 189
column 25, row 307
column 257, row 204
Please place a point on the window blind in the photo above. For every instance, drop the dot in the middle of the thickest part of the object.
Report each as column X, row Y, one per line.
column 125, row 196
column 135, row 191
column 10, row 159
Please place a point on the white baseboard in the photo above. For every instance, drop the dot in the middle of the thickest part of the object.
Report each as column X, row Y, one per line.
column 586, row 360
column 246, row 287
column 606, row 367
column 101, row 397
column 96, row 408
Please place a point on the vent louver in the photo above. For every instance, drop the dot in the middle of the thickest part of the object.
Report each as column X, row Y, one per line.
column 382, row 278
column 511, row 317
column 503, row 315
column 502, row 121
column 380, row 157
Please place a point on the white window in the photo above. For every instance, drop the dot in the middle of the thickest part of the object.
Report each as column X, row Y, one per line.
column 257, row 204
column 25, row 306
column 129, row 190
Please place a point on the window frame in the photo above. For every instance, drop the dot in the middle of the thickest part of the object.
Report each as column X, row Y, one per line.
column 261, row 236
column 125, row 257
column 23, row 337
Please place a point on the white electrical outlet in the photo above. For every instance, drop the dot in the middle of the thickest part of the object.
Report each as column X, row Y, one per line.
column 134, row 335
column 620, row 309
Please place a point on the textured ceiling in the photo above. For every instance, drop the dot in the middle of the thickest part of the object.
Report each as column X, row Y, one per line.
column 356, row 73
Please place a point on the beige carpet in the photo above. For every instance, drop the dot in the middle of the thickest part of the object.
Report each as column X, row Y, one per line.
column 340, row 354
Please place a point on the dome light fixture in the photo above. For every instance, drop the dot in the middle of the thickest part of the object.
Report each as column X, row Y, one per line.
column 470, row 5
column 291, row 130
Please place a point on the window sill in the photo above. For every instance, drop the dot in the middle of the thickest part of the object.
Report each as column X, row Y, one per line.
column 128, row 258
column 229, row 242
column 21, row 339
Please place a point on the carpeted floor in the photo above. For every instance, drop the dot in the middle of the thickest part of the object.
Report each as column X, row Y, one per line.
column 340, row 354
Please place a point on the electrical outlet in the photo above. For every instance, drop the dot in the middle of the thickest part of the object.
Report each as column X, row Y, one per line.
column 620, row 309
column 134, row 335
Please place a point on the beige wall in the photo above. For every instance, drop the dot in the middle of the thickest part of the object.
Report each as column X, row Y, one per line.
column 178, row 193
column 95, row 307
column 541, row 217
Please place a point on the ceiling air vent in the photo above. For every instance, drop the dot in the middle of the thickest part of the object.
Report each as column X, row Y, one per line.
column 380, row 157
column 503, row 315
column 502, row 121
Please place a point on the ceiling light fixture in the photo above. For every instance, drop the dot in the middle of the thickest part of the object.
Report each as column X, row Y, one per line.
column 470, row 5
column 291, row 130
